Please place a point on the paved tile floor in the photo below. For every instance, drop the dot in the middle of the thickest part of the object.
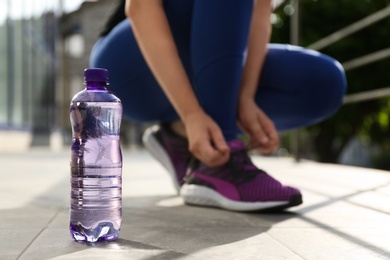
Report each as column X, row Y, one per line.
column 345, row 214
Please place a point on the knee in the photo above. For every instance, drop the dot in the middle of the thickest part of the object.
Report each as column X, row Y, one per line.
column 330, row 86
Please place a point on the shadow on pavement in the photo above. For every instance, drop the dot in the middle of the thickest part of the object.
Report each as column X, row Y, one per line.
column 173, row 230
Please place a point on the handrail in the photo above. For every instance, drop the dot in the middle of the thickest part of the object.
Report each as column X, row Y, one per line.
column 367, row 59
column 357, row 26
column 348, row 65
column 366, row 95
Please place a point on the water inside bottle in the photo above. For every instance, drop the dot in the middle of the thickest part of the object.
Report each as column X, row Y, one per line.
column 96, row 171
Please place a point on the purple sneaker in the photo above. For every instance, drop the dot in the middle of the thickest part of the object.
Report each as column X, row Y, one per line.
column 170, row 150
column 238, row 185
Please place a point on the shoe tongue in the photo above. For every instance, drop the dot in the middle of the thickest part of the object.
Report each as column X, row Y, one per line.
column 240, row 155
column 236, row 144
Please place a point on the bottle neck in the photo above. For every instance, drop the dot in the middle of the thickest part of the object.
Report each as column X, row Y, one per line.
column 96, row 85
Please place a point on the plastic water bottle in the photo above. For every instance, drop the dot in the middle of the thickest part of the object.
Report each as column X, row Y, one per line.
column 96, row 161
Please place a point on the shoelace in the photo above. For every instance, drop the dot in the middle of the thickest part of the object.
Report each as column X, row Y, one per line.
column 239, row 169
column 241, row 166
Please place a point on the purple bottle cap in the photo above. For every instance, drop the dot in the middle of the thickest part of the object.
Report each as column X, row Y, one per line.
column 95, row 75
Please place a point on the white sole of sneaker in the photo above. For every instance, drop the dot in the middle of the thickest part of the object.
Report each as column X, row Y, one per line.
column 154, row 147
column 203, row 196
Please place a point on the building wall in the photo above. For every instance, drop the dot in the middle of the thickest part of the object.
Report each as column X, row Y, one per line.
column 79, row 30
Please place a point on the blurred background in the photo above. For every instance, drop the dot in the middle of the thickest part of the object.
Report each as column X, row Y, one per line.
column 45, row 45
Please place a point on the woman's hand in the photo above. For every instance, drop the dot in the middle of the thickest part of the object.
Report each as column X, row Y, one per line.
column 154, row 36
column 258, row 126
column 206, row 141
column 251, row 118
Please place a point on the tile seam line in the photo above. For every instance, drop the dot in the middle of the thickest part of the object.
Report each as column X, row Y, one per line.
column 37, row 235
column 277, row 241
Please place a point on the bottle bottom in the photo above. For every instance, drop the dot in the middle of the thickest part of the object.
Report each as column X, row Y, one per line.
column 104, row 231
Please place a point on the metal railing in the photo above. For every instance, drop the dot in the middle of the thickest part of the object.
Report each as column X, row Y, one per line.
column 348, row 65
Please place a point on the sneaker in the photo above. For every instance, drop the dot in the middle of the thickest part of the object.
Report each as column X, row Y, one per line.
column 170, row 150
column 238, row 185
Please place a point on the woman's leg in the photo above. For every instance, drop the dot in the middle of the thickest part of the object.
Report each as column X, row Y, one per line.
column 299, row 87
column 130, row 77
column 218, row 43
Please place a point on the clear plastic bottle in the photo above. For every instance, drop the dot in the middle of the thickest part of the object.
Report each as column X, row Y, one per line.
column 96, row 160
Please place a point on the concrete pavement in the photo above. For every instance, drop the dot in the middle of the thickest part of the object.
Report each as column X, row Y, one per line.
column 345, row 214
